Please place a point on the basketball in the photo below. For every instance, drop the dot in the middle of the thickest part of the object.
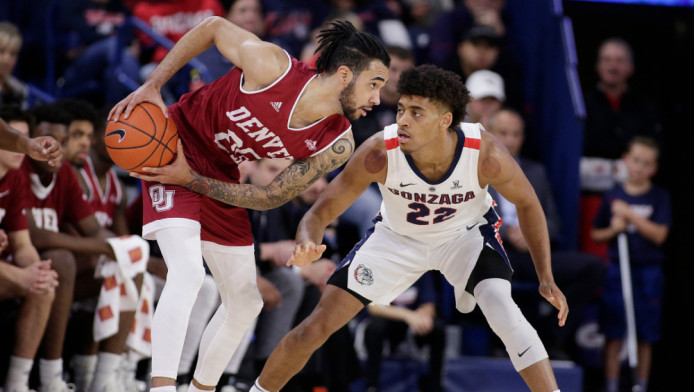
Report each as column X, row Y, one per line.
column 145, row 139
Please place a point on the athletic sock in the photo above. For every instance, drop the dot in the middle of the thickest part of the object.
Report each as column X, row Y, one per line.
column 257, row 388
column 83, row 366
column 107, row 367
column 166, row 388
column 18, row 372
column 50, row 369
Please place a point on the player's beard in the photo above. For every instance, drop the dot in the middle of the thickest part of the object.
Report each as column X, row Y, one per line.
column 347, row 101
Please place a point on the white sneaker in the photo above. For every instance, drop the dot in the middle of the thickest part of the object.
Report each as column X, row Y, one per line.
column 18, row 388
column 58, row 385
column 182, row 388
column 229, row 388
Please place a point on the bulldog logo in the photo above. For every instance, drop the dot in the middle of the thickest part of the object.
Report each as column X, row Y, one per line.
column 364, row 275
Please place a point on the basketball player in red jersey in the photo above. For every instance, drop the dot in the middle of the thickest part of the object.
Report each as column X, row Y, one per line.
column 269, row 106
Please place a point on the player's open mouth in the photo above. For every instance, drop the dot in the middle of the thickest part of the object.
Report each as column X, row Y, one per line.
column 364, row 110
column 403, row 137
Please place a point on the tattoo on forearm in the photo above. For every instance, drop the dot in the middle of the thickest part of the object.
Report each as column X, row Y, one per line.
column 287, row 185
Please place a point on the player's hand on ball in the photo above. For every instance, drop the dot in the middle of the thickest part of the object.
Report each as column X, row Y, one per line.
column 553, row 295
column 148, row 92
column 175, row 173
column 305, row 254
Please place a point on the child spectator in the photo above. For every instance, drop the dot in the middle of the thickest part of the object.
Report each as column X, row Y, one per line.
column 12, row 91
column 642, row 211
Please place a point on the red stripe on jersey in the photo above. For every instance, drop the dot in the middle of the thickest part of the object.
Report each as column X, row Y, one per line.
column 392, row 143
column 472, row 143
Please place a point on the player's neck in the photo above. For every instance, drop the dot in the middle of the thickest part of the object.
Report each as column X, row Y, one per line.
column 101, row 166
column 3, row 171
column 436, row 158
column 317, row 101
column 637, row 188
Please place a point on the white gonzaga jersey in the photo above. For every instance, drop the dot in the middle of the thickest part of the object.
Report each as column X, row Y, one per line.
column 434, row 212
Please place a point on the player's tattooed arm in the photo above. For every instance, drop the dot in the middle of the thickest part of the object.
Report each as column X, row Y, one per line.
column 286, row 186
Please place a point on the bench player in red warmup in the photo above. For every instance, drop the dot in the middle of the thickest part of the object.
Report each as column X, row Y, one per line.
column 270, row 106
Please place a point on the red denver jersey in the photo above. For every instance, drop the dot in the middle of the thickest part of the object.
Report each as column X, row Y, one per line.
column 13, row 196
column 221, row 125
column 224, row 123
column 104, row 202
column 59, row 202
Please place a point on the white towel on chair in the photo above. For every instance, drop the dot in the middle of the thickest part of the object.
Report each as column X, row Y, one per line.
column 118, row 291
column 140, row 337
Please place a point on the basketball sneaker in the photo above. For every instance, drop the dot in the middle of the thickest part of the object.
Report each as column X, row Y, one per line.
column 58, row 385
column 18, row 388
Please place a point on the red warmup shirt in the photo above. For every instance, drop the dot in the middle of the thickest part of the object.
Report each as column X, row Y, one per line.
column 104, row 202
column 13, row 197
column 59, row 202
column 174, row 18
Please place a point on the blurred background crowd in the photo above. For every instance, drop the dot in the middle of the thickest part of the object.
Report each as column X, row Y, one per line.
column 566, row 86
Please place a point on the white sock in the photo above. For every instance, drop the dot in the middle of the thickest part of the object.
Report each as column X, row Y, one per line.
column 18, row 372
column 107, row 367
column 128, row 367
column 83, row 366
column 166, row 388
column 257, row 388
column 50, row 369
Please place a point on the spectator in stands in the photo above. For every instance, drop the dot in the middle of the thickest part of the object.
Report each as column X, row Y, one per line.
column 641, row 211
column 451, row 25
column 88, row 29
column 13, row 92
column 487, row 95
column 413, row 312
column 579, row 274
column 290, row 23
column 247, row 14
column 171, row 19
column 615, row 113
column 26, row 276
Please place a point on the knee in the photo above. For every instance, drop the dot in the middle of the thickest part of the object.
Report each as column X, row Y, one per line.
column 63, row 262
column 186, row 276
column 312, row 333
column 44, row 299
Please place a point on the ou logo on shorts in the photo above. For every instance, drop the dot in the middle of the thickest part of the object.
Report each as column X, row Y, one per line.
column 162, row 200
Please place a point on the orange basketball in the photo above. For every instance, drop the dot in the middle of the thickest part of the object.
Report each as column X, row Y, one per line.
column 145, row 139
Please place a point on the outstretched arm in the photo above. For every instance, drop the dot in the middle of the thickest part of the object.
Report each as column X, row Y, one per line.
column 43, row 148
column 261, row 61
column 369, row 164
column 286, row 186
column 498, row 169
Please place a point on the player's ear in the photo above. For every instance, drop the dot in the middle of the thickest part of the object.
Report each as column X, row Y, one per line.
column 344, row 75
column 446, row 120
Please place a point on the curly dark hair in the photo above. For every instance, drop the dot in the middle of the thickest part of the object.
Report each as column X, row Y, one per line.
column 79, row 110
column 443, row 87
column 342, row 44
column 12, row 113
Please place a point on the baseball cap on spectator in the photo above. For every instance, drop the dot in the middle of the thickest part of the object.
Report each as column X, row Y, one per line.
column 485, row 83
column 481, row 32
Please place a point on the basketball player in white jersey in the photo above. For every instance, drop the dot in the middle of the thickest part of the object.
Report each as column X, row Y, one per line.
column 436, row 215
